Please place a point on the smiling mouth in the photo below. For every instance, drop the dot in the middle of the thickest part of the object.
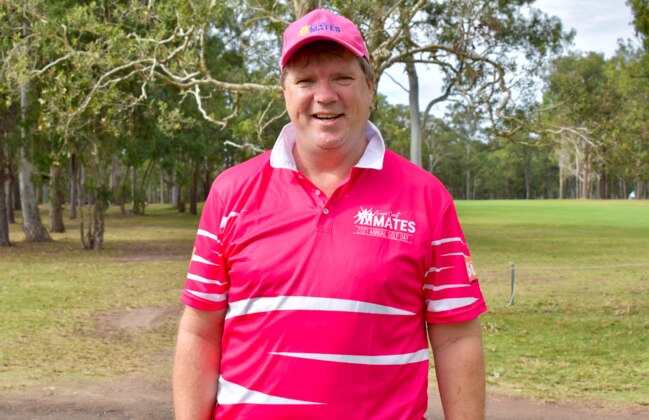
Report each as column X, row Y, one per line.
column 327, row 117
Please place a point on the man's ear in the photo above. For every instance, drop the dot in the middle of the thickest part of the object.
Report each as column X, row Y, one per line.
column 372, row 85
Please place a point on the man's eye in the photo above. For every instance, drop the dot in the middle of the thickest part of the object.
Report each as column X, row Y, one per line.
column 304, row 81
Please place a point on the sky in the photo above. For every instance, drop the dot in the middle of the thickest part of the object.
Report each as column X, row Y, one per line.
column 598, row 24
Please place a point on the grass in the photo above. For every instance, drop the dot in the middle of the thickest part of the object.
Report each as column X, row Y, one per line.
column 578, row 330
column 55, row 299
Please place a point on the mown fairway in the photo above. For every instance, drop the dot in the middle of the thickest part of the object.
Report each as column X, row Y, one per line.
column 579, row 328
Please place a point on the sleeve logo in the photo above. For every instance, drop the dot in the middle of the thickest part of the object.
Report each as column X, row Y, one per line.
column 470, row 269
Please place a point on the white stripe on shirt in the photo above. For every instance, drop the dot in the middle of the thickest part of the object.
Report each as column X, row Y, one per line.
column 207, row 234
column 442, row 305
column 446, row 286
column 200, row 259
column 230, row 393
column 388, row 359
column 308, row 303
column 212, row 297
column 446, row 240
column 204, row 280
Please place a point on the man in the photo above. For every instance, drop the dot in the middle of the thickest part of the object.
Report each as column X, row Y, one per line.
column 318, row 265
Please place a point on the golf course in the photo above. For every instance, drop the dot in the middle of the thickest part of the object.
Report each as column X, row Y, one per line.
column 575, row 331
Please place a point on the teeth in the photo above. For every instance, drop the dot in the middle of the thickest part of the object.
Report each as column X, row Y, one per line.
column 326, row 117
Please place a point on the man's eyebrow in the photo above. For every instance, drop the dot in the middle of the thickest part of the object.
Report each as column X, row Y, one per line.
column 301, row 72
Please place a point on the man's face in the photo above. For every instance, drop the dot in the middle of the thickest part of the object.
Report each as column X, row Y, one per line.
column 328, row 100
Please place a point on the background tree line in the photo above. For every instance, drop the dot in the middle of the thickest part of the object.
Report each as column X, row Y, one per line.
column 128, row 102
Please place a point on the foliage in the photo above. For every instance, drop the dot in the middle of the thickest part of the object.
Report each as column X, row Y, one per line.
column 640, row 10
column 598, row 121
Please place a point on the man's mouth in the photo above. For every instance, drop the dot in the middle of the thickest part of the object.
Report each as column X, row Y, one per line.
column 327, row 117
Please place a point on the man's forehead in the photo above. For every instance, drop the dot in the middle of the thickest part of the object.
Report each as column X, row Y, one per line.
column 318, row 54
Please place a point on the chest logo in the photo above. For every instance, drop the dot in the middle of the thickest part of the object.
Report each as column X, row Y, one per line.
column 384, row 224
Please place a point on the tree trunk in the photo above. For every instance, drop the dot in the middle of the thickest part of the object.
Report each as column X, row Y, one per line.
column 175, row 186
column 56, row 199
column 162, row 185
column 13, row 202
column 98, row 213
column 114, row 176
column 32, row 224
column 122, row 192
column 101, row 194
column 145, row 185
column 415, row 121
column 137, row 209
column 193, row 193
column 86, row 238
column 302, row 7
column 181, row 201
column 467, row 181
column 207, row 181
column 4, row 222
column 638, row 189
column 603, row 185
column 74, row 186
column 528, row 186
column 561, row 165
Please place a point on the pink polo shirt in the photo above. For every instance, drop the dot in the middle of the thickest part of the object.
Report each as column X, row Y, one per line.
column 327, row 298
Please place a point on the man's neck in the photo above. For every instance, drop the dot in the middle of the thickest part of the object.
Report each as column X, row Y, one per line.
column 327, row 170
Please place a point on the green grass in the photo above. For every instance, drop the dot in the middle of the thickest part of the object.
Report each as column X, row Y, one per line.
column 579, row 329
column 55, row 299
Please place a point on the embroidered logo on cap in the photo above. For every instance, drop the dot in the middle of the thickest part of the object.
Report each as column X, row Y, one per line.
column 318, row 27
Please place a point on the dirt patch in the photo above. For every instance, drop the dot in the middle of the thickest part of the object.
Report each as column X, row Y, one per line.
column 121, row 325
column 142, row 317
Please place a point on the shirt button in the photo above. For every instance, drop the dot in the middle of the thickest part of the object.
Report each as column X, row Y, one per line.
column 317, row 192
column 325, row 211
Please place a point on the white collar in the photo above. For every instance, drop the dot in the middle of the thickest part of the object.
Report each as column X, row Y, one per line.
column 281, row 157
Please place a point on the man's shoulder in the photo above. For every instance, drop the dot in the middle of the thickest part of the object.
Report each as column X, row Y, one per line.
column 243, row 172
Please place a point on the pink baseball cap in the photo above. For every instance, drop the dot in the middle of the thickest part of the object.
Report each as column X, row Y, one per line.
column 321, row 25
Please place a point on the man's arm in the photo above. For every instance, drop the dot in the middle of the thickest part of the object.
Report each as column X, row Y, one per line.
column 459, row 364
column 197, row 363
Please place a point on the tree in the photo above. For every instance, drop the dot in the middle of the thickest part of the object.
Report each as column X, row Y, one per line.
column 32, row 224
column 584, row 115
column 472, row 44
column 4, row 221
column 640, row 10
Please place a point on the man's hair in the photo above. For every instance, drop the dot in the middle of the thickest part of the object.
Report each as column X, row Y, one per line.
column 329, row 48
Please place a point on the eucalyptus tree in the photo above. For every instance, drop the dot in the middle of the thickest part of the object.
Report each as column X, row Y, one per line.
column 22, row 20
column 5, row 127
column 630, row 133
column 640, row 10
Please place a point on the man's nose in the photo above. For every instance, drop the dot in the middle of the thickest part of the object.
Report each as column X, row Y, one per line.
column 324, row 92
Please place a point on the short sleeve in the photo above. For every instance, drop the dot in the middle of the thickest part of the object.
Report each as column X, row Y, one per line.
column 207, row 284
column 451, row 287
